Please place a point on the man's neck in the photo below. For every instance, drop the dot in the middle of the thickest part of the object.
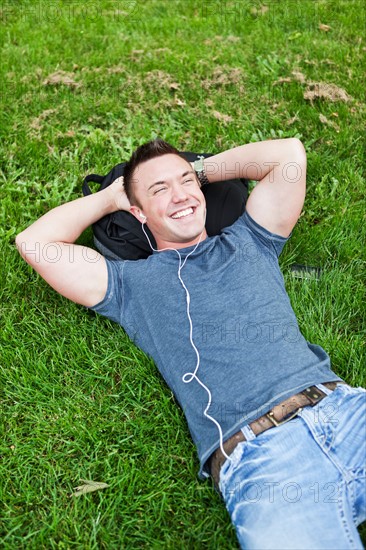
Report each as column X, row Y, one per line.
column 164, row 245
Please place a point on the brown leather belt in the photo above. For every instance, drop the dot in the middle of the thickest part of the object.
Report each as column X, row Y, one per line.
column 279, row 414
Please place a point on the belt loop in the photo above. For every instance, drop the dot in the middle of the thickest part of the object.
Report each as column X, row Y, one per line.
column 248, row 432
column 324, row 389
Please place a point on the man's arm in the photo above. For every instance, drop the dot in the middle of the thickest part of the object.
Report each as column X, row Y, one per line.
column 280, row 168
column 77, row 272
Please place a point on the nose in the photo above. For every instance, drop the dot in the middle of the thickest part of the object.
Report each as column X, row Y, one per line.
column 179, row 194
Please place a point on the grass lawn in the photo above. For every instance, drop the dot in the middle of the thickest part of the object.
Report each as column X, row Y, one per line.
column 83, row 83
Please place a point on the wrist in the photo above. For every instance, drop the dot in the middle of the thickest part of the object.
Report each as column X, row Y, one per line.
column 117, row 196
column 109, row 200
column 200, row 171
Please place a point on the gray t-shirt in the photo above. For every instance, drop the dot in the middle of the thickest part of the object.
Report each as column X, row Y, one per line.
column 251, row 352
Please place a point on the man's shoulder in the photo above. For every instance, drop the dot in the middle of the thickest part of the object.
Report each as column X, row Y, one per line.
column 246, row 227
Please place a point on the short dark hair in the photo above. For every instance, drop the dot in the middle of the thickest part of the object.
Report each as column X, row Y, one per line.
column 145, row 152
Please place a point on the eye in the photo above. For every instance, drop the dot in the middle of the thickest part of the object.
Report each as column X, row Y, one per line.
column 188, row 181
column 158, row 190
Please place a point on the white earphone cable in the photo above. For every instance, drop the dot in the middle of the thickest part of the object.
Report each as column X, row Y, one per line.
column 190, row 376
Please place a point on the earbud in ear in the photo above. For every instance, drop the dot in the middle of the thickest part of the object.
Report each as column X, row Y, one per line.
column 142, row 216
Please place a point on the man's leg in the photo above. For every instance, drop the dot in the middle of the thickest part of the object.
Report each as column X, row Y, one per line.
column 302, row 485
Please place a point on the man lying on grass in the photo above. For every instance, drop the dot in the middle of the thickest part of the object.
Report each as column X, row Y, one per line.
column 214, row 315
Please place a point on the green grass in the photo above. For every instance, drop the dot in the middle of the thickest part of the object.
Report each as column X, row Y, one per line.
column 78, row 400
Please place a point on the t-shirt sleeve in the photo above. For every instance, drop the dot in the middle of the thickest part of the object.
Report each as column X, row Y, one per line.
column 271, row 240
column 112, row 304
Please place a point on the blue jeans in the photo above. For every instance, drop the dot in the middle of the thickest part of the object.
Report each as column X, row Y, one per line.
column 302, row 485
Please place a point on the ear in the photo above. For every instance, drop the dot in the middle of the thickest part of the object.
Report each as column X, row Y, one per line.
column 139, row 215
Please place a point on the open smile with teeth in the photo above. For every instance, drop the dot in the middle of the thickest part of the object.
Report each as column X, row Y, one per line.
column 182, row 213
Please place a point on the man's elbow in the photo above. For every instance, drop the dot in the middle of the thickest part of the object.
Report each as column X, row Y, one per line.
column 28, row 247
column 296, row 163
column 298, row 152
column 19, row 242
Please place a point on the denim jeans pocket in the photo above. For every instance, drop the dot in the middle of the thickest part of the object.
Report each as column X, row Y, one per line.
column 338, row 426
column 231, row 464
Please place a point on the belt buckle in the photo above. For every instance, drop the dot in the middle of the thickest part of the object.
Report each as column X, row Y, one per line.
column 290, row 416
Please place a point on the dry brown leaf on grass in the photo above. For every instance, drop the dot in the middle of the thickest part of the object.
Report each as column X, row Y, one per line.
column 222, row 117
column 324, row 28
column 179, row 102
column 324, row 120
column 169, row 103
column 299, row 77
column 282, row 80
column 61, row 78
column 116, row 70
column 322, row 90
column 317, row 90
column 259, row 11
column 136, row 55
column 223, row 76
column 157, row 76
column 220, row 38
column 230, row 75
column 292, row 120
column 232, row 38
column 88, row 487
column 162, row 79
column 36, row 122
column 296, row 75
column 28, row 77
column 92, row 69
column 161, row 50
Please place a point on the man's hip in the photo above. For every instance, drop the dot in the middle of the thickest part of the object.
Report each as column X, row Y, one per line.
column 302, row 485
column 279, row 414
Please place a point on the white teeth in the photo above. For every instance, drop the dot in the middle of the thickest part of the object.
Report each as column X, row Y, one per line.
column 183, row 213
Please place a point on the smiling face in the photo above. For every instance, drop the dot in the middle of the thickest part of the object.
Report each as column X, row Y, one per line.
column 170, row 197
